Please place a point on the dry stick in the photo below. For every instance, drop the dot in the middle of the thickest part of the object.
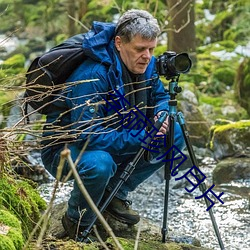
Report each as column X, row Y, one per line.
column 45, row 217
column 66, row 154
column 99, row 238
column 137, row 236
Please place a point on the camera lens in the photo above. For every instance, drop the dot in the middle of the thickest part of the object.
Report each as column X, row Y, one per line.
column 182, row 63
column 170, row 64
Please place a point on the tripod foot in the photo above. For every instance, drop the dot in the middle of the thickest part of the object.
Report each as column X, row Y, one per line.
column 164, row 232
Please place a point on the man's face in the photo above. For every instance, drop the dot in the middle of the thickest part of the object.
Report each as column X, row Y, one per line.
column 137, row 53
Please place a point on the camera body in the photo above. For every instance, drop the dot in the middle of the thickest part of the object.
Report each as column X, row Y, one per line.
column 171, row 65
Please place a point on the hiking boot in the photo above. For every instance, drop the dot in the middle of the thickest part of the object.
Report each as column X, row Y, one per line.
column 121, row 211
column 74, row 231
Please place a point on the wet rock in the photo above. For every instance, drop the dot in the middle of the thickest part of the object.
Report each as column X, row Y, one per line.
column 231, row 169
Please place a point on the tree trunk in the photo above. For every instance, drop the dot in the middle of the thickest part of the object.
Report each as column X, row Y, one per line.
column 71, row 6
column 83, row 7
column 181, row 27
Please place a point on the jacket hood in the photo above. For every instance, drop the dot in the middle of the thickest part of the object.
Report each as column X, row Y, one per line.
column 98, row 43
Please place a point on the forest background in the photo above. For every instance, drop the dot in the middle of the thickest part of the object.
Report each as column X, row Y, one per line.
column 214, row 33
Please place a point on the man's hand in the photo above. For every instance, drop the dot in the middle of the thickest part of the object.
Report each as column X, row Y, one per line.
column 165, row 125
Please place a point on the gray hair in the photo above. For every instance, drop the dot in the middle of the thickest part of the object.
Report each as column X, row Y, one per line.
column 137, row 22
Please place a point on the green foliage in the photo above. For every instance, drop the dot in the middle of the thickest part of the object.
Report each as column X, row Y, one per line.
column 221, row 23
column 229, row 23
column 219, row 102
column 12, row 67
column 214, row 101
column 242, row 84
column 17, row 61
column 160, row 49
column 224, row 75
column 216, row 67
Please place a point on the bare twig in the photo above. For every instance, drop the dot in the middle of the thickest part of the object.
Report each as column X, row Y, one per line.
column 77, row 21
column 137, row 236
column 67, row 155
column 99, row 238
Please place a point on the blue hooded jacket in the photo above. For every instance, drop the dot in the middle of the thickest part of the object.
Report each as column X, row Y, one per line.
column 88, row 116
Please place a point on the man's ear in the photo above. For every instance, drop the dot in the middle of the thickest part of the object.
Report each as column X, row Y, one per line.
column 118, row 42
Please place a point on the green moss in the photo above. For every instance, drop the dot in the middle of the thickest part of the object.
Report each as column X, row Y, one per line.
column 242, row 84
column 21, row 199
column 16, row 237
column 219, row 102
column 13, row 239
column 219, row 131
column 16, row 61
column 236, row 125
column 9, row 219
column 174, row 246
column 214, row 101
column 6, row 243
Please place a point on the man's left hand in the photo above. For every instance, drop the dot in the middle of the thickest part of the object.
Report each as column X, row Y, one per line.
column 165, row 125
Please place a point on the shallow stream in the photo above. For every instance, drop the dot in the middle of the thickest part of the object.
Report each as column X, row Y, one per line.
column 187, row 216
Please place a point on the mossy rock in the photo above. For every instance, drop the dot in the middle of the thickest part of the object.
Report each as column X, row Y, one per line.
column 230, row 139
column 22, row 200
column 11, row 237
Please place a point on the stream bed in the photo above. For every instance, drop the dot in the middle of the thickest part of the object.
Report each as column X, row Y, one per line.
column 187, row 216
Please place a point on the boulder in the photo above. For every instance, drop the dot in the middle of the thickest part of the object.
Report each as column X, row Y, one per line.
column 230, row 139
column 231, row 169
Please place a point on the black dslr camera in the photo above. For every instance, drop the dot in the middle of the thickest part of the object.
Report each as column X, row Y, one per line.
column 171, row 65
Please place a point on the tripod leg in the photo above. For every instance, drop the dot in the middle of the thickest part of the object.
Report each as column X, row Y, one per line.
column 203, row 185
column 170, row 143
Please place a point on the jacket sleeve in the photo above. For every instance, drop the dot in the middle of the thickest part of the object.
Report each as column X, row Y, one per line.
column 88, row 121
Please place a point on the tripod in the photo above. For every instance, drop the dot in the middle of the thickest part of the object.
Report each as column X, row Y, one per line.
column 173, row 90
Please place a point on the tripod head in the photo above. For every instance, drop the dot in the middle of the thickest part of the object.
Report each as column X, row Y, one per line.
column 174, row 89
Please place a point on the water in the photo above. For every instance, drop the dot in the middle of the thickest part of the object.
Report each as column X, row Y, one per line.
column 187, row 216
